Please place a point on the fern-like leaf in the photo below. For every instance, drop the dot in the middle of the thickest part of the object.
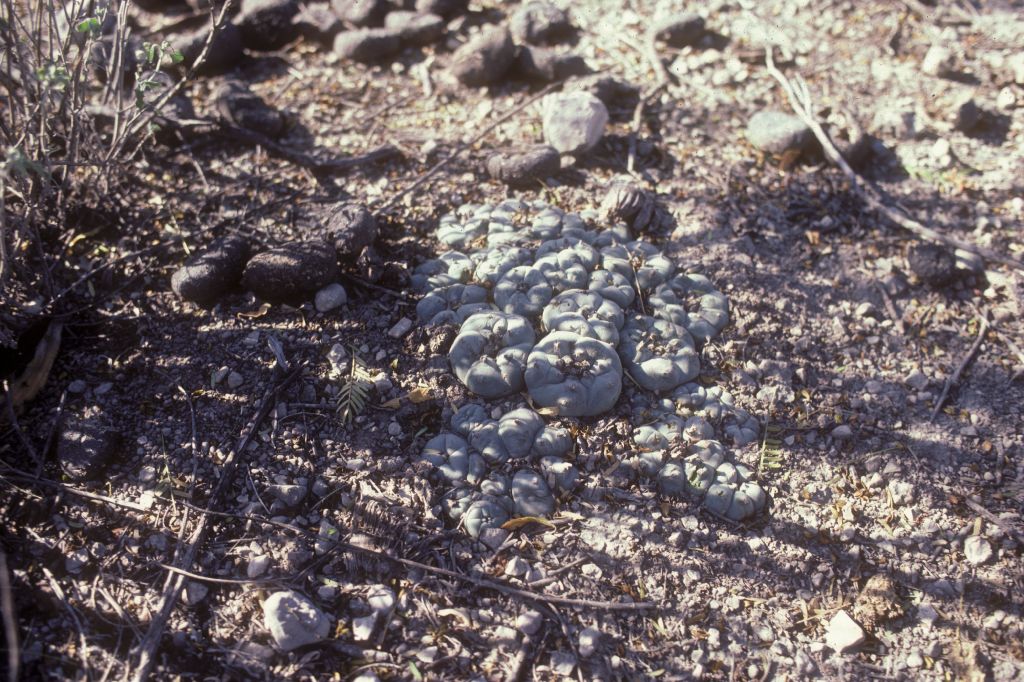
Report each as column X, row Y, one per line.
column 355, row 391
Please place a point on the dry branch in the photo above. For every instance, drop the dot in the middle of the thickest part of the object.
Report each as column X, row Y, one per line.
column 952, row 379
column 409, row 563
column 800, row 100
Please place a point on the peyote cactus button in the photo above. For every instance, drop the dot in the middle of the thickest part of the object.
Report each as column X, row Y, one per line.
column 691, row 301
column 489, row 354
column 614, row 286
column 453, row 267
column 523, row 290
column 492, row 264
column 652, row 267
column 531, row 494
column 461, row 234
column 460, row 299
column 715, row 404
column 483, row 513
column 586, row 313
column 658, row 355
column 573, row 375
column 567, row 268
column 454, row 460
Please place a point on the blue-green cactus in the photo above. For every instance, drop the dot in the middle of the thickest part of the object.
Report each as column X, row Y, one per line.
column 586, row 313
column 523, row 290
column 614, row 286
column 716, row 405
column 531, row 494
column 489, row 354
column 454, row 459
column 453, row 303
column 574, row 376
column 591, row 289
column 491, row 264
column 658, row 355
column 482, row 514
column 691, row 301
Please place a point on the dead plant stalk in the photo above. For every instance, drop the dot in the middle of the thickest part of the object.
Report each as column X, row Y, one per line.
column 800, row 99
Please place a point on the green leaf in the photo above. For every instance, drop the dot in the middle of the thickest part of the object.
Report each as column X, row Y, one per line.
column 90, row 25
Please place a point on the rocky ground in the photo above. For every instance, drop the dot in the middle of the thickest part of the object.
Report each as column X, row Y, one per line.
column 273, row 398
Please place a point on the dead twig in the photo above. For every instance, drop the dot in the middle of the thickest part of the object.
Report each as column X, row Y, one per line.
column 638, row 118
column 1000, row 523
column 144, row 652
column 800, row 100
column 890, row 308
column 302, row 159
column 12, row 417
column 144, row 117
column 952, row 379
column 481, row 583
column 219, row 581
column 463, row 147
column 26, row 477
column 359, row 281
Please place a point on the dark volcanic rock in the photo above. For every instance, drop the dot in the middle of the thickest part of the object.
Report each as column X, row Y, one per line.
column 547, row 65
column 351, row 228
column 485, row 58
column 968, row 116
column 444, row 8
column 776, row 132
column 416, row 29
column 241, row 106
column 539, row 23
column 225, row 50
column 86, row 447
column 932, row 264
column 849, row 138
column 367, row 44
column 267, row 24
column 317, row 21
column 291, row 272
column 524, row 168
column 679, row 30
column 361, row 12
column 212, row 273
column 615, row 93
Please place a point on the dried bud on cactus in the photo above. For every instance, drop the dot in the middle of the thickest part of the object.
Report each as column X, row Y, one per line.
column 629, row 203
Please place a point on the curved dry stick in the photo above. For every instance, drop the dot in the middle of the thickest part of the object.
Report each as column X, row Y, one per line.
column 959, row 370
column 800, row 100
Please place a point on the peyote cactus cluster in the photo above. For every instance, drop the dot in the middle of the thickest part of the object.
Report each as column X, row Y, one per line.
column 548, row 307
